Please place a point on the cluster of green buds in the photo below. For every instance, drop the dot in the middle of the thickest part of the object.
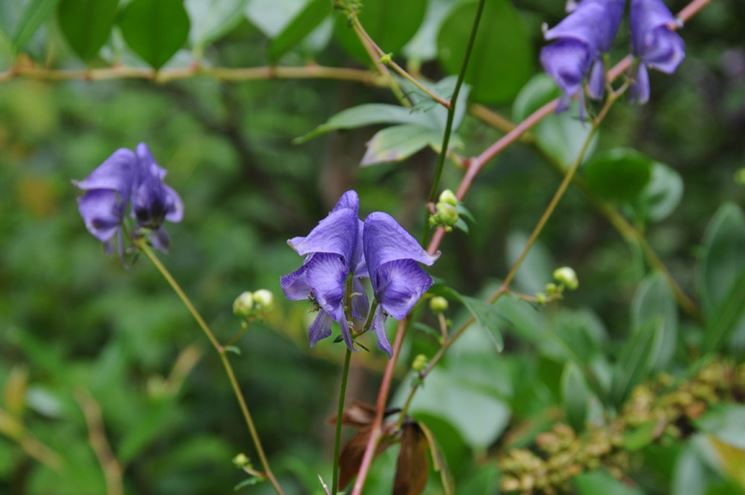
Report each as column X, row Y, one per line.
column 250, row 305
column 350, row 8
column 446, row 211
column 565, row 278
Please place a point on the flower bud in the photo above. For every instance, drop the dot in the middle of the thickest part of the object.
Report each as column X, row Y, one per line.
column 264, row 299
column 419, row 363
column 566, row 276
column 447, row 213
column 448, row 197
column 241, row 460
column 243, row 305
column 438, row 304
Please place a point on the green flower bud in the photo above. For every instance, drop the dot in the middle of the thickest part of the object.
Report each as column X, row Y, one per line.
column 241, row 460
column 438, row 304
column 243, row 305
column 541, row 298
column 448, row 197
column 552, row 289
column 386, row 59
column 419, row 363
column 264, row 299
column 566, row 276
column 447, row 213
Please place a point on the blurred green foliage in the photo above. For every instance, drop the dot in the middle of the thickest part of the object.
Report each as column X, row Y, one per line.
column 73, row 319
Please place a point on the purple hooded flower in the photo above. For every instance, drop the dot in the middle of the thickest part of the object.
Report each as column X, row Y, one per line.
column 333, row 253
column 654, row 43
column 579, row 42
column 393, row 258
column 128, row 178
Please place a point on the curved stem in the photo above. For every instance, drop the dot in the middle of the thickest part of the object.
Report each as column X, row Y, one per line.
column 453, row 103
column 339, row 414
column 142, row 245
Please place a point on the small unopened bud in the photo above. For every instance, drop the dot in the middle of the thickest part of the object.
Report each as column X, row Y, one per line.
column 243, row 305
column 438, row 304
column 566, row 276
column 552, row 289
column 541, row 298
column 419, row 363
column 386, row 59
column 448, row 197
column 447, row 213
column 264, row 299
column 241, row 460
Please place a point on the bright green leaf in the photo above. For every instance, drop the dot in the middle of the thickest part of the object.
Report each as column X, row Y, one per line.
column 559, row 136
column 397, row 143
column 390, row 23
column 309, row 18
column 654, row 301
column 34, row 15
column 86, row 24
column 155, row 29
column 600, row 482
column 619, row 174
column 502, row 57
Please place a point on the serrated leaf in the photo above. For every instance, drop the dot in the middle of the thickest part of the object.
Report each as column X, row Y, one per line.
column 34, row 15
column 397, row 143
column 86, row 24
column 155, row 29
column 488, row 319
column 654, row 301
column 364, row 115
column 619, row 174
column 301, row 25
column 502, row 56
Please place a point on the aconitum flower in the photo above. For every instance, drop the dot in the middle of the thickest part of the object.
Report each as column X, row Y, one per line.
column 579, row 42
column 654, row 43
column 393, row 258
column 333, row 251
column 128, row 178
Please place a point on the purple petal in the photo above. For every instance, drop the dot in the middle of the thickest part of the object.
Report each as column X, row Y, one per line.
column 360, row 303
column 160, row 240
column 380, row 335
column 639, row 91
column 174, row 206
column 384, row 240
column 335, row 234
column 567, row 62
column 326, row 276
column 349, row 200
column 102, row 211
column 320, row 328
column 398, row 286
column 150, row 202
column 148, row 165
column 596, row 84
column 295, row 285
column 651, row 38
column 116, row 173
column 593, row 23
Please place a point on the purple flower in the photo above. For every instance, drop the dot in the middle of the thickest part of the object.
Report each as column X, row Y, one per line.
column 654, row 43
column 398, row 281
column 333, row 255
column 128, row 178
column 579, row 42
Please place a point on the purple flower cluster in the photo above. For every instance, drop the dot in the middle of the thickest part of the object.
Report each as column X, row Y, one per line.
column 128, row 179
column 340, row 252
column 580, row 41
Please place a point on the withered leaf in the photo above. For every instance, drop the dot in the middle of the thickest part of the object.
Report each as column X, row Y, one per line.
column 353, row 452
column 412, row 469
column 358, row 414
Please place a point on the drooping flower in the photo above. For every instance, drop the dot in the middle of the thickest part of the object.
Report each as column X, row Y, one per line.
column 579, row 41
column 393, row 256
column 333, row 255
column 128, row 178
column 654, row 43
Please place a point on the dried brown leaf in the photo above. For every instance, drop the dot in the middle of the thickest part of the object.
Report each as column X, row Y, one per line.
column 412, row 469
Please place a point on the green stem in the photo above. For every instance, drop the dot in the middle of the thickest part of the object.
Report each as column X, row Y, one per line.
column 454, row 102
column 148, row 252
column 339, row 414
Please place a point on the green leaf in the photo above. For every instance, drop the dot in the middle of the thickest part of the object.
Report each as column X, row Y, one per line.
column 635, row 360
column 575, row 395
column 654, row 302
column 390, row 23
column 86, row 24
column 369, row 114
column 537, row 268
column 619, row 174
column 34, row 15
column 559, row 136
column 502, row 57
column 423, row 46
column 155, row 29
column 271, row 16
column 488, row 319
column 726, row 422
column 211, row 19
column 309, row 18
column 662, row 194
column 640, row 437
column 600, row 482
column 246, row 483
column 397, row 143
column 234, row 349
